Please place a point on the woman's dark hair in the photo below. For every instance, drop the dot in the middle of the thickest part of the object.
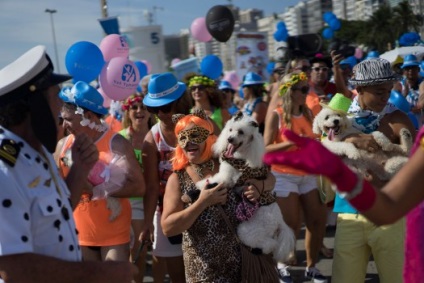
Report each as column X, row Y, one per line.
column 258, row 90
column 14, row 113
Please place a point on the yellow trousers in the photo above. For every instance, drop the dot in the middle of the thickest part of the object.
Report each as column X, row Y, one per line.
column 356, row 239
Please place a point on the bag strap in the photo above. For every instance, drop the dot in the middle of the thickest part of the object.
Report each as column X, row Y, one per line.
column 195, row 178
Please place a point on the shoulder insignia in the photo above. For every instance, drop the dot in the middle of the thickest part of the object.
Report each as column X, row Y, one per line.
column 9, row 151
column 34, row 183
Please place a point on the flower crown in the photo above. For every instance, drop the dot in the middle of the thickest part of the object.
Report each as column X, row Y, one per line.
column 201, row 80
column 130, row 101
column 294, row 79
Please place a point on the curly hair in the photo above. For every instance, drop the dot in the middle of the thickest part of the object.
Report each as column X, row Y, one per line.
column 287, row 102
column 14, row 113
column 213, row 93
column 180, row 160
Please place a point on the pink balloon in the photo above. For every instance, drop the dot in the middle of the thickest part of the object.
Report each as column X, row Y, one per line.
column 106, row 99
column 358, row 53
column 114, row 45
column 149, row 66
column 199, row 31
column 232, row 78
column 119, row 78
column 175, row 61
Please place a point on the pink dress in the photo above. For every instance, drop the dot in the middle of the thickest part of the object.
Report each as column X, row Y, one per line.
column 413, row 271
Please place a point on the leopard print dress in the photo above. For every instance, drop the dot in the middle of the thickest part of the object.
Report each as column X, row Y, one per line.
column 210, row 250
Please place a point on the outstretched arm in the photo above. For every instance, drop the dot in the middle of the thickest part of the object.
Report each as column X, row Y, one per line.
column 401, row 192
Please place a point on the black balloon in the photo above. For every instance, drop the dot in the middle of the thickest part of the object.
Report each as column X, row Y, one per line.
column 220, row 22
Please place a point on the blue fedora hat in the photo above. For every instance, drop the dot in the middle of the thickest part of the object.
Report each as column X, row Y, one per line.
column 410, row 61
column 84, row 95
column 226, row 85
column 252, row 78
column 163, row 89
column 373, row 54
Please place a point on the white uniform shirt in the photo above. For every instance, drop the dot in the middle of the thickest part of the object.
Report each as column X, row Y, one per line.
column 35, row 215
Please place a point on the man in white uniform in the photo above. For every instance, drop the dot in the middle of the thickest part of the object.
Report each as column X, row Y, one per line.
column 38, row 238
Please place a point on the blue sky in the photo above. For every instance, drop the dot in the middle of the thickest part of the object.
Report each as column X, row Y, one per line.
column 24, row 24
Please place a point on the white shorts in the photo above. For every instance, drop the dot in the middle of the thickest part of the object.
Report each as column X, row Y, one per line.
column 287, row 183
column 162, row 247
column 137, row 209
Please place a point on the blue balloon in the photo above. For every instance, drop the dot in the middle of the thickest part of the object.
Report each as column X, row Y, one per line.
column 142, row 68
column 414, row 119
column 211, row 66
column 335, row 24
column 84, row 61
column 281, row 35
column 328, row 33
column 328, row 16
column 281, row 25
column 270, row 67
column 399, row 101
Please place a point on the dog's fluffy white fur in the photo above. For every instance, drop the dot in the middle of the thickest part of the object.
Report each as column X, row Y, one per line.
column 384, row 163
column 266, row 229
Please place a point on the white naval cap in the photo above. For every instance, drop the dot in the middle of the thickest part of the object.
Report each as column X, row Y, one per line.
column 31, row 72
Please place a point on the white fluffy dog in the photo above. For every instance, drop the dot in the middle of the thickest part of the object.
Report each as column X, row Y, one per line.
column 384, row 162
column 241, row 148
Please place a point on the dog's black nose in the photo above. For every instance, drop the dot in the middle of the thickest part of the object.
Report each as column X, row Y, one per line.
column 230, row 139
column 336, row 122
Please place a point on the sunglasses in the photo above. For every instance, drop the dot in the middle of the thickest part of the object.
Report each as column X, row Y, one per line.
column 317, row 69
column 136, row 107
column 303, row 89
column 164, row 109
column 199, row 87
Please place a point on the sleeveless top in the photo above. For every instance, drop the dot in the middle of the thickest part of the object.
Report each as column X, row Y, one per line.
column 217, row 117
column 209, row 241
column 92, row 216
column 301, row 126
column 165, row 153
column 248, row 109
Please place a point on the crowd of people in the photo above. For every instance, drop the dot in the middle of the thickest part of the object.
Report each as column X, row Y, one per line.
column 83, row 201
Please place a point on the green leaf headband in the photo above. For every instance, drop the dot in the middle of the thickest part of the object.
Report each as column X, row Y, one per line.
column 294, row 79
column 201, row 80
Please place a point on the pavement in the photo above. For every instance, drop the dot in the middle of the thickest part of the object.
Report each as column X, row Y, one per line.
column 297, row 272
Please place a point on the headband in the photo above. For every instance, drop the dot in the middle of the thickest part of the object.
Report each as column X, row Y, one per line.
column 294, row 79
column 201, row 80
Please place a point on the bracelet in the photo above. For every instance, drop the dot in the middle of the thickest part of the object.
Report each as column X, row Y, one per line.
column 357, row 189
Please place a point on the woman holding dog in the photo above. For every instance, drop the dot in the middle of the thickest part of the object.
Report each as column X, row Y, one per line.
column 357, row 201
column 211, row 251
column 296, row 189
column 166, row 96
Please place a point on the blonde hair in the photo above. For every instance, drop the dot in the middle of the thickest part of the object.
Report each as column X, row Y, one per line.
column 287, row 102
column 180, row 160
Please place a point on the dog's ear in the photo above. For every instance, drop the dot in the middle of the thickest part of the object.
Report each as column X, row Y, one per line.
column 254, row 124
column 238, row 116
column 315, row 126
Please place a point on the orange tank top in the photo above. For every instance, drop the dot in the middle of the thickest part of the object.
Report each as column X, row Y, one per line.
column 312, row 101
column 301, row 126
column 92, row 216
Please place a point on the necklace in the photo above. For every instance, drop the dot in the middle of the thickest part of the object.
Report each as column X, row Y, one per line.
column 198, row 168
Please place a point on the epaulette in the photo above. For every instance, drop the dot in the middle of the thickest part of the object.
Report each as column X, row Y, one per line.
column 9, row 151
